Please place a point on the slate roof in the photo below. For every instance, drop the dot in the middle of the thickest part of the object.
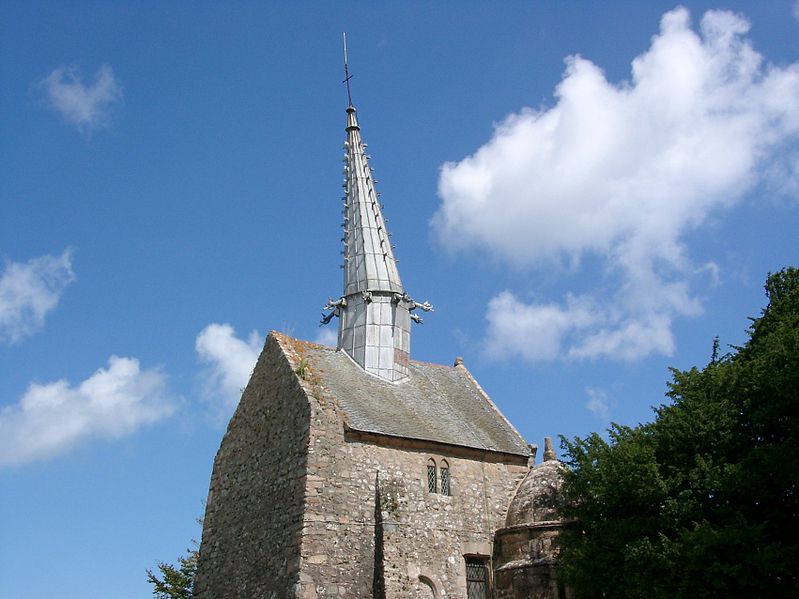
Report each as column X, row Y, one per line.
column 443, row 404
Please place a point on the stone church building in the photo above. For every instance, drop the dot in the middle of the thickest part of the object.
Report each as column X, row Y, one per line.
column 358, row 472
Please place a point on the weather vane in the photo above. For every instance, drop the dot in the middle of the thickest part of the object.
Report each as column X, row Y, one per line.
column 347, row 75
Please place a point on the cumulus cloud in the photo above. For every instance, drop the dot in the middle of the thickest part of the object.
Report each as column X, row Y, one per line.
column 86, row 106
column 229, row 361
column 29, row 291
column 54, row 417
column 512, row 323
column 598, row 403
column 622, row 172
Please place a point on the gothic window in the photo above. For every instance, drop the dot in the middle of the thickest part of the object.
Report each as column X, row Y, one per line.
column 432, row 476
column 445, row 478
column 476, row 578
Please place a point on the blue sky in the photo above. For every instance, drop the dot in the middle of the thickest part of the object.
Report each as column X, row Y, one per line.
column 587, row 195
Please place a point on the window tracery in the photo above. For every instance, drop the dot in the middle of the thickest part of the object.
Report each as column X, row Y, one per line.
column 432, row 476
column 445, row 478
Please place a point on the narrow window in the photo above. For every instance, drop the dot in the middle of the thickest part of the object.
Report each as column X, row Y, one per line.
column 476, row 578
column 432, row 478
column 444, row 478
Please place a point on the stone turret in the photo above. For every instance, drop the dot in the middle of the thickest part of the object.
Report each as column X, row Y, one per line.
column 526, row 550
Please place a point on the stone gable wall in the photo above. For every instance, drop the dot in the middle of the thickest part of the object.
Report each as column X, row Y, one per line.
column 418, row 534
column 253, row 518
column 299, row 507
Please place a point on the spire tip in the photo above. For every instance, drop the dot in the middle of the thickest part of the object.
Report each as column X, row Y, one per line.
column 347, row 75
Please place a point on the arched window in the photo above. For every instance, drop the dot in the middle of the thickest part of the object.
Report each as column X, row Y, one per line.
column 432, row 476
column 445, row 478
column 428, row 587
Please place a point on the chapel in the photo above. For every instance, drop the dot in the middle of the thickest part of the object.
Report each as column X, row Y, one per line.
column 357, row 472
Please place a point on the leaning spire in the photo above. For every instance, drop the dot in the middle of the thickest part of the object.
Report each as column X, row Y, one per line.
column 374, row 311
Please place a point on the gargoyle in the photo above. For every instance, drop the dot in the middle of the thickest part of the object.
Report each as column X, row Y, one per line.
column 334, row 307
column 412, row 305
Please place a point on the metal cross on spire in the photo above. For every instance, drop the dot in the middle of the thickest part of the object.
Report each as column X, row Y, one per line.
column 347, row 75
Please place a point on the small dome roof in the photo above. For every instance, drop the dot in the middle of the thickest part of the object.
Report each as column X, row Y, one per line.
column 538, row 497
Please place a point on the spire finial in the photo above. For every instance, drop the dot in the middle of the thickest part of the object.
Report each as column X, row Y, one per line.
column 549, row 453
column 347, row 75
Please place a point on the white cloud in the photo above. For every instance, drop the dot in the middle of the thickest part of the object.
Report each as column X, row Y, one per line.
column 327, row 336
column 54, row 417
column 29, row 291
column 598, row 403
column 623, row 172
column 84, row 106
column 229, row 361
column 796, row 10
column 534, row 331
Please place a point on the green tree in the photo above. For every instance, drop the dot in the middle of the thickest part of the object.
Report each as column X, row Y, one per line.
column 703, row 501
column 175, row 581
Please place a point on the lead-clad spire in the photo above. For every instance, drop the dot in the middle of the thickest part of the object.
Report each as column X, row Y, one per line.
column 374, row 311
column 369, row 263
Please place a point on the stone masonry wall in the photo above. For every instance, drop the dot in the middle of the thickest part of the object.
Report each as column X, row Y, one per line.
column 429, row 534
column 292, row 512
column 419, row 534
column 253, row 519
column 525, row 562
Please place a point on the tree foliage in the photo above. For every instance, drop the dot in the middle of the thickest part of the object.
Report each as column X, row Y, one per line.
column 702, row 502
column 175, row 582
